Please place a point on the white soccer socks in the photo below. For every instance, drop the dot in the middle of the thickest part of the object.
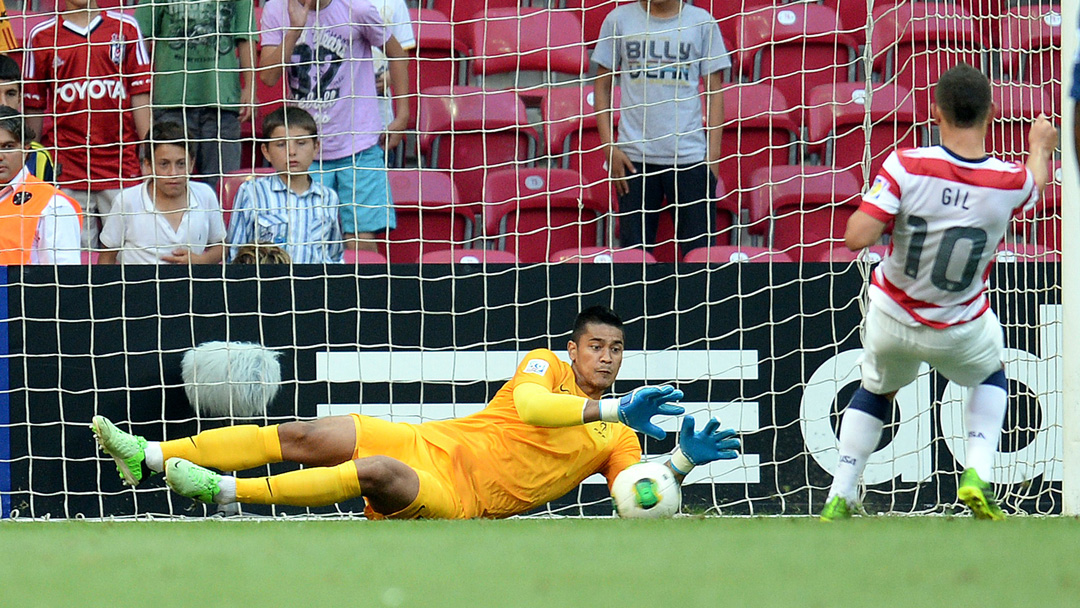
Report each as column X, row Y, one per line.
column 983, row 415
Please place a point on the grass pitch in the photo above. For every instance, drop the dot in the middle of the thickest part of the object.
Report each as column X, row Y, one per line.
column 880, row 562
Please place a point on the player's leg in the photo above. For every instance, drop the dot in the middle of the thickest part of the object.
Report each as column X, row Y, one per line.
column 887, row 366
column 970, row 355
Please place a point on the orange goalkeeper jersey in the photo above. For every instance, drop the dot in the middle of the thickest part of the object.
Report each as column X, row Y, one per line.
column 502, row 466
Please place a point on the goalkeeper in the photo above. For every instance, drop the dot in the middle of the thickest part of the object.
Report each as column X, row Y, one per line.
column 545, row 431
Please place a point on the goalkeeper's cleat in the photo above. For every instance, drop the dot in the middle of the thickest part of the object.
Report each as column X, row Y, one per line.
column 129, row 451
column 978, row 496
column 189, row 479
column 836, row 509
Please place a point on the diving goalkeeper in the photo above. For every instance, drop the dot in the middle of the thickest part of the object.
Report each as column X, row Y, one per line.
column 544, row 432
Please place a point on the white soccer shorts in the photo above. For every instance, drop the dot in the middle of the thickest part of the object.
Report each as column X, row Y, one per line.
column 892, row 351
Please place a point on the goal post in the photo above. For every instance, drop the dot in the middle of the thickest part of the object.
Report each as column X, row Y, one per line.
column 1070, row 275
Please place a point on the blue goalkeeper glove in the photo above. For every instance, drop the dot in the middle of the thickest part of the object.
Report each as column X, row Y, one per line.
column 704, row 447
column 637, row 409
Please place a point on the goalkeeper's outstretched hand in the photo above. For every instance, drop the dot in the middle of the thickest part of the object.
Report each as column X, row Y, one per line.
column 703, row 447
column 637, row 409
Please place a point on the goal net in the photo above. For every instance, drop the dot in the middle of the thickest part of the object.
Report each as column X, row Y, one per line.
column 507, row 225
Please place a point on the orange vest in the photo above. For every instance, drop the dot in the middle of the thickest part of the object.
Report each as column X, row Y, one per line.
column 20, row 212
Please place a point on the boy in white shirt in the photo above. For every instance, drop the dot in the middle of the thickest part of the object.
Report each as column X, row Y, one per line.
column 167, row 218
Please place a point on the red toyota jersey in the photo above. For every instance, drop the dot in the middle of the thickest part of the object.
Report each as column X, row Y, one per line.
column 85, row 79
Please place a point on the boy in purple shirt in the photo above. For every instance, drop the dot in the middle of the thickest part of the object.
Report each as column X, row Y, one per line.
column 324, row 49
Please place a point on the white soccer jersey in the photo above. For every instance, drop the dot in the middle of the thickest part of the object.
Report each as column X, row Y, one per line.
column 950, row 216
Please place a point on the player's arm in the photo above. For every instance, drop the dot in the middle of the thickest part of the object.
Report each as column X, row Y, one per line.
column 863, row 230
column 1042, row 140
column 537, row 405
column 140, row 108
column 714, row 119
column 695, row 449
column 399, row 88
column 619, row 165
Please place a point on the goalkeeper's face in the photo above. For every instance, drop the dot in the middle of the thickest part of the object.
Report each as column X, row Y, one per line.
column 597, row 356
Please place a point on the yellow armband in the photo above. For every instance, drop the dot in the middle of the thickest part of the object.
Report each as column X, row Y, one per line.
column 539, row 407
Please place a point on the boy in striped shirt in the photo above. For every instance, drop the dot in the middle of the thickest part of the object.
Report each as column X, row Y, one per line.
column 289, row 209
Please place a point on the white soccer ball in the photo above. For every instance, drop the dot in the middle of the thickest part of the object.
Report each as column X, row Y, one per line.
column 646, row 490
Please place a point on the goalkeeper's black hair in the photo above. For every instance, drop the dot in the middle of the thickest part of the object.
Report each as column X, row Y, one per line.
column 9, row 70
column 601, row 315
column 14, row 122
column 963, row 96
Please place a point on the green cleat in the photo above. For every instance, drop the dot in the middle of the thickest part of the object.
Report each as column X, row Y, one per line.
column 129, row 451
column 978, row 496
column 836, row 509
column 189, row 479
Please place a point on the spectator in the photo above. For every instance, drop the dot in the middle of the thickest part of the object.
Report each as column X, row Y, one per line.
column 38, row 159
column 289, row 209
column 38, row 223
column 261, row 254
column 200, row 51
column 661, row 50
column 395, row 14
column 91, row 70
column 325, row 46
column 167, row 218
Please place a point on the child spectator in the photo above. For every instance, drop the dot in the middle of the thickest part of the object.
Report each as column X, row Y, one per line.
column 90, row 69
column 167, row 218
column 199, row 51
column 38, row 223
column 38, row 159
column 325, row 46
column 395, row 14
column 289, row 209
column 662, row 51
column 261, row 254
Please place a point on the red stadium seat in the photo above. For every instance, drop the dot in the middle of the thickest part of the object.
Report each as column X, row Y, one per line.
column 802, row 210
column 472, row 132
column 469, row 256
column 795, row 47
column 667, row 247
column 1031, row 47
column 837, row 113
column 230, row 183
column 724, row 254
column 514, row 42
column 1042, row 225
column 602, row 255
column 727, row 14
column 429, row 215
column 355, row 257
column 759, row 131
column 465, row 11
column 592, row 13
column 535, row 212
column 914, row 43
column 1018, row 105
column 839, row 253
column 571, row 134
column 438, row 59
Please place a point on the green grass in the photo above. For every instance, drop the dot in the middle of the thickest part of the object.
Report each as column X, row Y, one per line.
column 879, row 562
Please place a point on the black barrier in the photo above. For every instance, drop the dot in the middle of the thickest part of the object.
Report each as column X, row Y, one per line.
column 107, row 340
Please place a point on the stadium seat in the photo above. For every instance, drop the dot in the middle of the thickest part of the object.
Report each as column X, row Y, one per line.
column 472, row 132
column 668, row 249
column 526, row 49
column 837, row 114
column 354, row 257
column 438, row 59
column 1042, row 225
column 723, row 254
column 795, row 47
column 571, row 135
column 469, row 256
column 591, row 13
column 465, row 11
column 1031, row 47
column 802, row 211
column 726, row 13
column 759, row 131
column 1017, row 105
column 429, row 215
column 230, row 183
column 1025, row 252
column 603, row 255
column 915, row 42
column 839, row 253
column 535, row 212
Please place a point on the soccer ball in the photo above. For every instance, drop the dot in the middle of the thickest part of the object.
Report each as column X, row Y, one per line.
column 646, row 490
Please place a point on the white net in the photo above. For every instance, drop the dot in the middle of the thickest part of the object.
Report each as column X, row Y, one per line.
column 507, row 225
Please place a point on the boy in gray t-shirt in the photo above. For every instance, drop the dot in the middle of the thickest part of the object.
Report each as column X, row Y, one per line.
column 661, row 50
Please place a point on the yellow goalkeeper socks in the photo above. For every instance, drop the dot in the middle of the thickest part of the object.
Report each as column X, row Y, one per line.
column 312, row 487
column 232, row 448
